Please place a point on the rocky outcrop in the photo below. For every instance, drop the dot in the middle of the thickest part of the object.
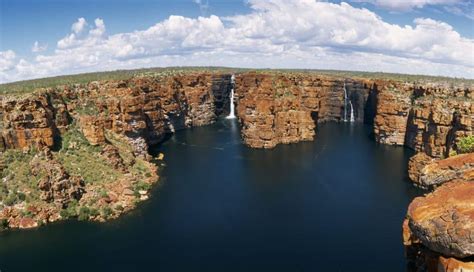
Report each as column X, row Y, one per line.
column 390, row 123
column 93, row 129
column 27, row 122
column 422, row 259
column 55, row 184
column 458, row 167
column 443, row 221
column 416, row 164
column 427, row 172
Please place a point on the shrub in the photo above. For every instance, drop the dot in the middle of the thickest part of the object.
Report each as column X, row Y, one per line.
column 3, row 224
column 70, row 211
column 466, row 144
column 10, row 200
column 106, row 212
column 94, row 212
column 141, row 185
column 84, row 213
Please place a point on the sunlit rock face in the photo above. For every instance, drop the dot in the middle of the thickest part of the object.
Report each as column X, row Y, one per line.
column 437, row 233
column 427, row 118
column 147, row 108
column 443, row 220
column 273, row 108
column 427, row 172
column 285, row 108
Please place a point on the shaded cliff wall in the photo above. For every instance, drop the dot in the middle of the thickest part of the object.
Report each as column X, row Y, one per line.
column 144, row 109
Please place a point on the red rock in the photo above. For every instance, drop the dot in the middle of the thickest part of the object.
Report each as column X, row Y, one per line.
column 27, row 223
column 443, row 220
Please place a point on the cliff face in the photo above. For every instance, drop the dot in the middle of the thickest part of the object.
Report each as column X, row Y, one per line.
column 276, row 108
column 114, row 122
column 144, row 108
column 284, row 108
column 427, row 119
column 27, row 122
column 85, row 147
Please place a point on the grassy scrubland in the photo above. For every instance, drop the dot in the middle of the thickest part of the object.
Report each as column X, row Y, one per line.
column 27, row 86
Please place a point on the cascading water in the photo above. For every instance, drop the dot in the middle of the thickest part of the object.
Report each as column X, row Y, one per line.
column 232, row 110
column 352, row 113
column 348, row 101
column 345, row 103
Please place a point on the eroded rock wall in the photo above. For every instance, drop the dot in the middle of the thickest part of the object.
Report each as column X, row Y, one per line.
column 427, row 119
column 284, row 108
column 147, row 108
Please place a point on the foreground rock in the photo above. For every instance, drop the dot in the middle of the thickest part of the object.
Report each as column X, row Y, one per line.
column 443, row 221
column 427, row 172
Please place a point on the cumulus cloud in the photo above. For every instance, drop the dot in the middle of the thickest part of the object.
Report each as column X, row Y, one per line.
column 79, row 26
column 37, row 47
column 408, row 4
column 276, row 33
column 7, row 60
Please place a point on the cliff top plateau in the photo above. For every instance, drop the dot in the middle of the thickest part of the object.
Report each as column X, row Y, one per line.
column 28, row 86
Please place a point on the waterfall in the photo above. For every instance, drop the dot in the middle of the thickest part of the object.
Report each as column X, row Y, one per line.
column 232, row 110
column 345, row 103
column 352, row 113
column 348, row 101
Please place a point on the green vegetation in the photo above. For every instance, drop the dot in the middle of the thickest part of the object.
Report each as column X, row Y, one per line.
column 80, row 158
column 71, row 210
column 89, row 107
column 27, row 86
column 106, row 212
column 84, row 213
column 3, row 224
column 466, row 144
column 19, row 178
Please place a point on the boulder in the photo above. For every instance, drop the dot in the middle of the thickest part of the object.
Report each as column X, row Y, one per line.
column 443, row 220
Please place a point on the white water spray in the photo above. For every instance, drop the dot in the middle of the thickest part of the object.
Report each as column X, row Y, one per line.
column 352, row 113
column 232, row 110
column 348, row 101
column 345, row 103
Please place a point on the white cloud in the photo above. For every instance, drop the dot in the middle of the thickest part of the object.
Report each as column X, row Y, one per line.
column 408, row 4
column 7, row 60
column 99, row 29
column 277, row 33
column 79, row 26
column 37, row 47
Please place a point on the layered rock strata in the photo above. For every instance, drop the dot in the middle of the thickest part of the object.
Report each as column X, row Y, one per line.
column 427, row 119
column 439, row 229
column 427, row 172
column 284, row 108
column 85, row 147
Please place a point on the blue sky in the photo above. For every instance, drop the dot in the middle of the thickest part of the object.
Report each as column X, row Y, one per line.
column 414, row 36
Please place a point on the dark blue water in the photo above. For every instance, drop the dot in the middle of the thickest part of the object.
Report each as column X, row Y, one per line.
column 336, row 204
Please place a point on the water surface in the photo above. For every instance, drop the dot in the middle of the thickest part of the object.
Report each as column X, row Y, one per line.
column 335, row 204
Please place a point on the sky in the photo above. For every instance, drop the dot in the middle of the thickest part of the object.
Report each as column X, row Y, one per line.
column 41, row 38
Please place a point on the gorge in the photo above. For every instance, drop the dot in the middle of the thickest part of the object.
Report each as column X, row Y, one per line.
column 127, row 125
